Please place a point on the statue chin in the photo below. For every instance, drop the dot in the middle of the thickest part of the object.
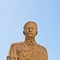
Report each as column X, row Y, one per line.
column 31, row 35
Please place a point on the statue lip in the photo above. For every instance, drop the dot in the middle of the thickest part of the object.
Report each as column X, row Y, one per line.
column 30, row 33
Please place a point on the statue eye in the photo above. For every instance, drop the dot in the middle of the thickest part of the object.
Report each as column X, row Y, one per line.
column 32, row 28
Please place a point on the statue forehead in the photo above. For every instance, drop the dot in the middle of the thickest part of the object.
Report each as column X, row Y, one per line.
column 30, row 23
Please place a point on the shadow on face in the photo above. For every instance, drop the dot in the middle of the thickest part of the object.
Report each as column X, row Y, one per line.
column 30, row 29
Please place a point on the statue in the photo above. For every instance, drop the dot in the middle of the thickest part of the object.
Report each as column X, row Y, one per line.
column 29, row 49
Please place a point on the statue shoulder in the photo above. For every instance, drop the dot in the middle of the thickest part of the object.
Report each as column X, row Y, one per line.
column 42, row 49
column 15, row 45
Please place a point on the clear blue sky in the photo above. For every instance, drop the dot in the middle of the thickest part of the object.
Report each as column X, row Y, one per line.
column 14, row 14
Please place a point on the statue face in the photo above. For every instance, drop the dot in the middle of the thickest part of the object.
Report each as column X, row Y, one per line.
column 30, row 29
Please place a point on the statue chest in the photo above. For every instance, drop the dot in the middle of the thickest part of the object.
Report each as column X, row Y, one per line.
column 28, row 53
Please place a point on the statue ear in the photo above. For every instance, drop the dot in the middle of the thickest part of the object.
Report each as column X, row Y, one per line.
column 36, row 32
column 23, row 32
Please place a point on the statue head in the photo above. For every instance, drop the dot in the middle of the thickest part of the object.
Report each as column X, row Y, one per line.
column 30, row 29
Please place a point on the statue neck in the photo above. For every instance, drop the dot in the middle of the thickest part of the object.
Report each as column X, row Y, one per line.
column 30, row 40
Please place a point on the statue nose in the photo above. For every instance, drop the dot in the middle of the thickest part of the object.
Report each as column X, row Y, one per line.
column 30, row 30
